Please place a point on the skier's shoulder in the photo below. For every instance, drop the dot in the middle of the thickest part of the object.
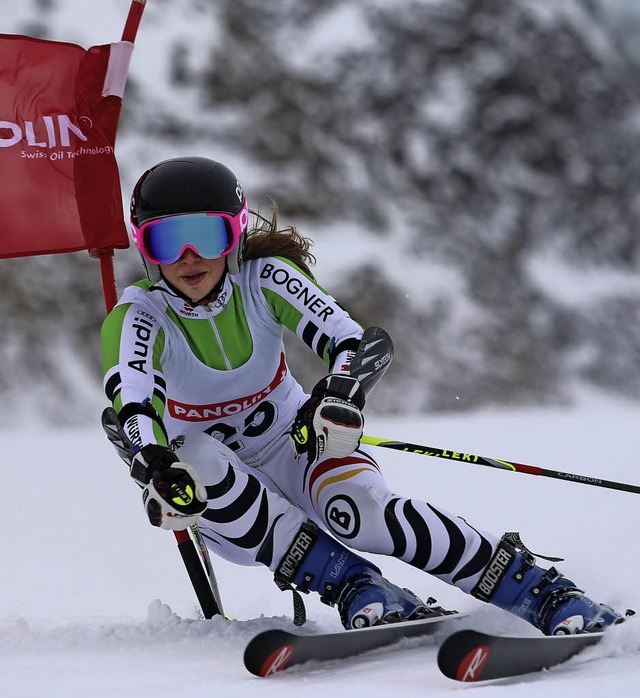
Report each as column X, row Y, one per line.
column 275, row 272
column 139, row 297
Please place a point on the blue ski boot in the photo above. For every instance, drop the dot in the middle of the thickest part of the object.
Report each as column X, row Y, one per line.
column 317, row 562
column 544, row 598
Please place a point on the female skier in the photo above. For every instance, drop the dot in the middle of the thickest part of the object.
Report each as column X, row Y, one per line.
column 224, row 435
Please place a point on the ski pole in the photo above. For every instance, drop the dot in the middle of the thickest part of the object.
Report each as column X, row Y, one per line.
column 495, row 463
column 200, row 574
column 196, row 559
column 205, row 559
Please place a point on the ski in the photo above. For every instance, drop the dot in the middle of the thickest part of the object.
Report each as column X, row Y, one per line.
column 469, row 655
column 273, row 651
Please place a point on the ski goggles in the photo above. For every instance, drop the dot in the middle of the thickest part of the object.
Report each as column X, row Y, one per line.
column 209, row 235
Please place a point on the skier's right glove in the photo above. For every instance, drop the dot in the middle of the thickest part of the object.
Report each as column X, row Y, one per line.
column 173, row 496
column 330, row 422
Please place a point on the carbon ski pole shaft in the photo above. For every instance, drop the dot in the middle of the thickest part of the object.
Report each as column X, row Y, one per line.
column 473, row 459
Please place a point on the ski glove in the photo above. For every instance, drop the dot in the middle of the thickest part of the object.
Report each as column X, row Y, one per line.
column 173, row 496
column 330, row 422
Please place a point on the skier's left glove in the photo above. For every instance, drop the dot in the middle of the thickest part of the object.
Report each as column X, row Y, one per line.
column 174, row 497
column 330, row 422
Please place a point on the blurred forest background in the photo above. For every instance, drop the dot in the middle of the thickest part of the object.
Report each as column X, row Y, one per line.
column 468, row 169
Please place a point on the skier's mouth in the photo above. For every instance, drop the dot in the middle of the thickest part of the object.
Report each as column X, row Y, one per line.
column 193, row 279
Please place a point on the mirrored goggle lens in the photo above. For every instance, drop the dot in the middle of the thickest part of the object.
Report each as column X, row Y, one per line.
column 167, row 238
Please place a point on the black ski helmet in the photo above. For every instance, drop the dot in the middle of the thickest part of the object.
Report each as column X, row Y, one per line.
column 188, row 185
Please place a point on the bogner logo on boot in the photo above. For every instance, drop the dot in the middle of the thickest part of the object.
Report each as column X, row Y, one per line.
column 489, row 581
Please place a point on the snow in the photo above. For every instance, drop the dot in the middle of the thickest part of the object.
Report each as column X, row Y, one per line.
column 574, row 288
column 95, row 602
column 342, row 28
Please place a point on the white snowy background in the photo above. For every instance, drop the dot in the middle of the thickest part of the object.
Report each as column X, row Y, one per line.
column 94, row 602
column 474, row 154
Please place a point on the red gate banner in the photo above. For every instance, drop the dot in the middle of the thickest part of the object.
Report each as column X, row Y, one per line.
column 59, row 181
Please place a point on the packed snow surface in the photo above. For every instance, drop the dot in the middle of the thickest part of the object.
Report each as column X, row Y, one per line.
column 95, row 602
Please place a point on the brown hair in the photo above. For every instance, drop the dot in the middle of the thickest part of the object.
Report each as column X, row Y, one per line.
column 265, row 239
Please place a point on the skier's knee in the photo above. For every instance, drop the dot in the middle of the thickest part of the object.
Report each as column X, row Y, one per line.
column 351, row 515
column 210, row 457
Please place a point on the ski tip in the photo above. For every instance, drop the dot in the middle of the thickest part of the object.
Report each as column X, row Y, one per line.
column 470, row 655
column 466, row 665
column 274, row 663
column 268, row 653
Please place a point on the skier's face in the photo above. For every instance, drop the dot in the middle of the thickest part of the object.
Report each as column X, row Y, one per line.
column 193, row 275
